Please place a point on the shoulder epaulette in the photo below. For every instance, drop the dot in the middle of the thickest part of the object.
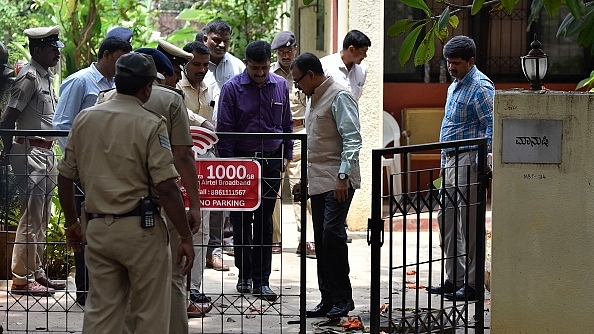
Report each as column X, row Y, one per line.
column 107, row 90
column 173, row 89
column 31, row 74
column 155, row 113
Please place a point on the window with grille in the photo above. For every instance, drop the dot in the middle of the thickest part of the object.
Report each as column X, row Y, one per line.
column 501, row 40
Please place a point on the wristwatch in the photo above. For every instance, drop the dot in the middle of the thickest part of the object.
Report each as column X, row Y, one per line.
column 342, row 176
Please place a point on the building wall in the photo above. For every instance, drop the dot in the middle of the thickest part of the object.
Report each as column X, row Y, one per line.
column 542, row 223
column 340, row 17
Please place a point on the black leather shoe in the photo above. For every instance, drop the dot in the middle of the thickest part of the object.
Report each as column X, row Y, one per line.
column 447, row 287
column 341, row 309
column 198, row 297
column 244, row 285
column 264, row 292
column 464, row 293
column 319, row 311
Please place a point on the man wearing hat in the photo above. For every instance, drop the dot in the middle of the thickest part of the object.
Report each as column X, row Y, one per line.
column 168, row 102
column 285, row 48
column 121, row 33
column 31, row 107
column 127, row 244
column 178, row 57
column 77, row 92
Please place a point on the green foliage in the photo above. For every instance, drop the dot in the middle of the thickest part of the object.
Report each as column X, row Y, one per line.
column 85, row 22
column 17, row 15
column 9, row 199
column 58, row 259
column 250, row 20
column 588, row 83
column 579, row 23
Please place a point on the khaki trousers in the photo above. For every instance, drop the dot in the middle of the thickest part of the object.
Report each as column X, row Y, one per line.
column 293, row 172
column 131, row 265
column 35, row 172
column 456, row 240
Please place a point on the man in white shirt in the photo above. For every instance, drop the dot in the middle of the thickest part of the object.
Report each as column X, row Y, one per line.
column 345, row 66
column 223, row 65
column 346, row 69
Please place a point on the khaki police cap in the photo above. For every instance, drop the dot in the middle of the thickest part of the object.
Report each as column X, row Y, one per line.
column 175, row 54
column 136, row 64
column 44, row 35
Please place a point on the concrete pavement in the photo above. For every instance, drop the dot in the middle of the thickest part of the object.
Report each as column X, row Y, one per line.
column 234, row 313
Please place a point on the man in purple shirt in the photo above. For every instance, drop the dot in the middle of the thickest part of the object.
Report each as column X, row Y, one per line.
column 256, row 101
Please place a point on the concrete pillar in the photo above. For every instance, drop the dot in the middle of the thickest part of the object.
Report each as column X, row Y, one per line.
column 367, row 16
column 543, row 228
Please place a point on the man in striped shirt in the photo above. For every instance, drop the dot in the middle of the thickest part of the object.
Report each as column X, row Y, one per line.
column 468, row 114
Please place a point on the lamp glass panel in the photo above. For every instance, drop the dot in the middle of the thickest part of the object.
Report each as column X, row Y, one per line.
column 542, row 67
column 529, row 67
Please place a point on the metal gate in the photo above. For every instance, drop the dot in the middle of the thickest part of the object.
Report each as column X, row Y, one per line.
column 403, row 244
column 231, row 311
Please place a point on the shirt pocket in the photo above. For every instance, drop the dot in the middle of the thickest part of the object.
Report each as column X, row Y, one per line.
column 45, row 103
column 277, row 112
column 461, row 110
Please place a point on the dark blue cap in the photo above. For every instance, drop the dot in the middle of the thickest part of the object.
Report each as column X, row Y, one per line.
column 162, row 63
column 120, row 32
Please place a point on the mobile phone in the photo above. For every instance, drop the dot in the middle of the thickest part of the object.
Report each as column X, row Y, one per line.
column 147, row 212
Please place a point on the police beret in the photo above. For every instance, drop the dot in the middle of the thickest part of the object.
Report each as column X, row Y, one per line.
column 120, row 32
column 44, row 35
column 175, row 54
column 162, row 63
column 283, row 38
column 136, row 64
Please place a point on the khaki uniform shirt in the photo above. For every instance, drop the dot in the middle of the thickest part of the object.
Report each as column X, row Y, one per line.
column 200, row 103
column 115, row 148
column 168, row 103
column 297, row 108
column 32, row 94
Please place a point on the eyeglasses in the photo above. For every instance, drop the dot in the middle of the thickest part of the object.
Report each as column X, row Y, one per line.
column 295, row 82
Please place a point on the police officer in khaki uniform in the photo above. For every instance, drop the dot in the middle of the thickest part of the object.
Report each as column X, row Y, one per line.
column 285, row 48
column 168, row 102
column 121, row 152
column 31, row 107
column 178, row 58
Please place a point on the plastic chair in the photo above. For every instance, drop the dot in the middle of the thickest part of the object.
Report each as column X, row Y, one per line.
column 392, row 165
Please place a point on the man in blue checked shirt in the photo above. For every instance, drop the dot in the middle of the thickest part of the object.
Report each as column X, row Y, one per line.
column 468, row 114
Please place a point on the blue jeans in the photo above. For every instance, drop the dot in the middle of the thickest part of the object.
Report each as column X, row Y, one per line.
column 332, row 252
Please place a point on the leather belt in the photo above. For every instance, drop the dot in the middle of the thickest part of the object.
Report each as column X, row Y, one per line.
column 259, row 154
column 298, row 122
column 450, row 154
column 135, row 212
column 36, row 142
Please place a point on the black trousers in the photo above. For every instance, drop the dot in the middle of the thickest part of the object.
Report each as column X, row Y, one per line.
column 332, row 252
column 252, row 230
